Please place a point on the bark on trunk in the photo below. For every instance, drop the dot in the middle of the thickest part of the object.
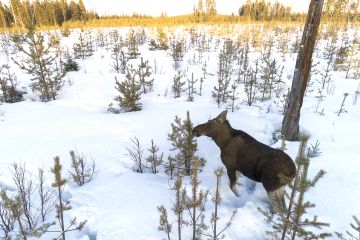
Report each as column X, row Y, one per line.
column 290, row 125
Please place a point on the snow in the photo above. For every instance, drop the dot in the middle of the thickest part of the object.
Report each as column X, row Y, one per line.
column 122, row 204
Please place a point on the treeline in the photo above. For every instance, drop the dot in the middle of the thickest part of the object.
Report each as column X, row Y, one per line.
column 334, row 11
column 19, row 13
column 264, row 11
column 42, row 13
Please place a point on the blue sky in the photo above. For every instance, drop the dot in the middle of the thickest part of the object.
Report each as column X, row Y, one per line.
column 172, row 7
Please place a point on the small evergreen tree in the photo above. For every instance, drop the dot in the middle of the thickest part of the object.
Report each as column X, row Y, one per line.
column 41, row 62
column 179, row 204
column 191, row 90
column 177, row 86
column 251, row 84
column 177, row 51
column 119, row 58
column 130, row 93
column 221, row 92
column 170, row 167
column 217, row 234
column 195, row 203
column 233, row 96
column 164, row 224
column 154, row 159
column 13, row 205
column 70, row 65
column 144, row 73
column 289, row 221
column 8, row 86
column 84, row 47
column 63, row 206
column 132, row 45
column 82, row 170
column 183, row 144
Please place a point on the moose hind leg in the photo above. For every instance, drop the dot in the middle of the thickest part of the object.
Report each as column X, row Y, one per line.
column 232, row 174
column 277, row 200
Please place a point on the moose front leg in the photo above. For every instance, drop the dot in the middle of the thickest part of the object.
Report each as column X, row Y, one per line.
column 233, row 176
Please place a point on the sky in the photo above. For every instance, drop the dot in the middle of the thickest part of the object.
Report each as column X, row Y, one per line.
column 173, row 7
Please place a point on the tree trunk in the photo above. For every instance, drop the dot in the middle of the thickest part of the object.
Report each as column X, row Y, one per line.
column 290, row 125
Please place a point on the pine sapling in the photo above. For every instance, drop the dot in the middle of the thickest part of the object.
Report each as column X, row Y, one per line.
column 7, row 220
column 195, row 203
column 13, row 204
column 70, row 65
column 82, row 170
column 62, row 205
column 251, row 83
column 144, row 72
column 164, row 224
column 130, row 94
column 191, row 88
column 170, row 167
column 234, row 96
column 204, row 70
column 84, row 46
column 178, row 85
column 289, row 221
column 154, row 159
column 217, row 234
column 201, row 86
column 132, row 45
column 42, row 62
column 119, row 60
column 179, row 204
column 8, row 86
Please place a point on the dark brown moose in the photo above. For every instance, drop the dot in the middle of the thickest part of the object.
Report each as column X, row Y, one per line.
column 243, row 153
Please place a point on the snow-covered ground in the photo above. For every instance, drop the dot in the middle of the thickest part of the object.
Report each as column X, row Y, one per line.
column 122, row 204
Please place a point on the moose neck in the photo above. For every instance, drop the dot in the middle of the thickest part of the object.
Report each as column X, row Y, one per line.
column 222, row 134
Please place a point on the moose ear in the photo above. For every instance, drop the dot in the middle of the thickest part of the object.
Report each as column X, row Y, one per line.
column 222, row 117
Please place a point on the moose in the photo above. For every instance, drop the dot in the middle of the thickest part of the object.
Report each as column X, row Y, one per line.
column 242, row 153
